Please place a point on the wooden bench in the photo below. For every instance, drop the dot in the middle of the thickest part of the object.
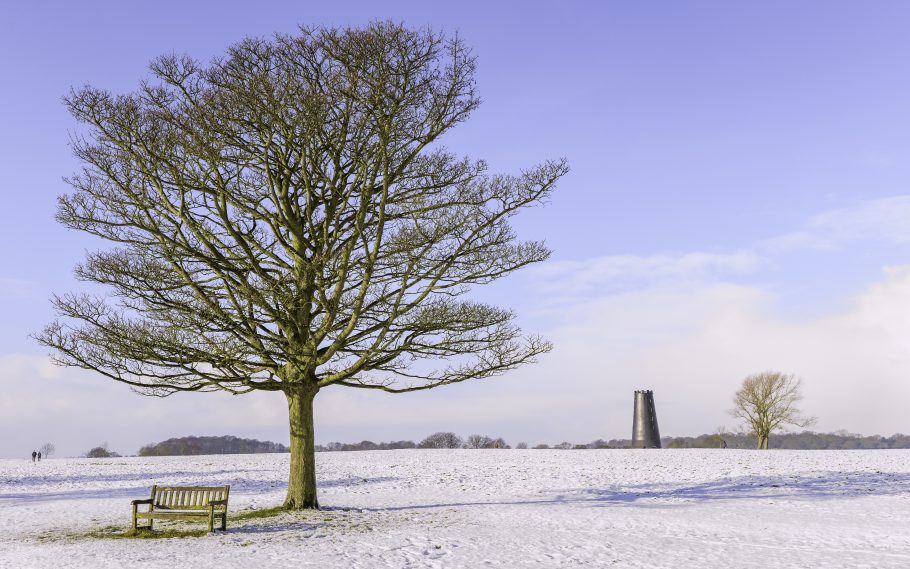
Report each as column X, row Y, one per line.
column 184, row 503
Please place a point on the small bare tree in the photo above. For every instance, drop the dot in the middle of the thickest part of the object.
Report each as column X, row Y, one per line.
column 47, row 449
column 767, row 401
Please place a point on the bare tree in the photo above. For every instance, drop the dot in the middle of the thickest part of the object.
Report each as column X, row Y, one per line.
column 47, row 449
column 498, row 443
column 767, row 401
column 101, row 451
column 478, row 441
column 286, row 220
column 441, row 440
column 483, row 441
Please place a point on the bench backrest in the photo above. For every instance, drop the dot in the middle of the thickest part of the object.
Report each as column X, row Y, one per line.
column 188, row 497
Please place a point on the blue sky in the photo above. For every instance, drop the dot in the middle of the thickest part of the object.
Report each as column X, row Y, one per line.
column 738, row 201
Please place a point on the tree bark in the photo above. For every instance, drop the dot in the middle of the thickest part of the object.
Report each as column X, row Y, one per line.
column 302, row 479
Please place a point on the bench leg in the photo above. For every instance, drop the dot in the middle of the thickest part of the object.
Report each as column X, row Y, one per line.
column 224, row 521
column 211, row 520
column 136, row 521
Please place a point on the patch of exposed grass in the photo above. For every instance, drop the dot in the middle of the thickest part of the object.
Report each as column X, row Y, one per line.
column 257, row 514
column 165, row 530
column 113, row 532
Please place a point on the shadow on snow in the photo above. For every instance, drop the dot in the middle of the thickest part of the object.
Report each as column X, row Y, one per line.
column 175, row 478
column 825, row 485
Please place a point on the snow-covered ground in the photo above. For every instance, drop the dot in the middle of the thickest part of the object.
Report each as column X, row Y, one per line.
column 471, row 508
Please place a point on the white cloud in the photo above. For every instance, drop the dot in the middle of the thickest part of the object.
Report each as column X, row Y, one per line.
column 692, row 345
column 76, row 410
column 613, row 273
column 882, row 219
column 677, row 324
column 15, row 287
column 570, row 281
column 673, row 323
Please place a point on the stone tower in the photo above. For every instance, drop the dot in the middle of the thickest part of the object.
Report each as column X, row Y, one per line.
column 645, row 433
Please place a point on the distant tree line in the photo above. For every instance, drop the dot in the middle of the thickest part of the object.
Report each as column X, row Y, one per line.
column 436, row 440
column 186, row 446
column 807, row 440
column 365, row 445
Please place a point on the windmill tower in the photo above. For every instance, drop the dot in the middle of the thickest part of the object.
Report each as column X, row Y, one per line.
column 645, row 433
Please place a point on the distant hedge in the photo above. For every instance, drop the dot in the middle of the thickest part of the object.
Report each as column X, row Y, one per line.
column 799, row 441
column 186, row 446
column 807, row 440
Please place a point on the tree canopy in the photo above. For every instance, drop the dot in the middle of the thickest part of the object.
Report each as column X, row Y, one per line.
column 284, row 218
column 768, row 401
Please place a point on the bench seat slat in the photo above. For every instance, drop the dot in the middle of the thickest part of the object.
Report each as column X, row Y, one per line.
column 164, row 488
column 204, row 507
column 182, row 515
column 167, row 498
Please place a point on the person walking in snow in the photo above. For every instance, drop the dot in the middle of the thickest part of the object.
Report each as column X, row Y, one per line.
column 39, row 456
column 34, row 454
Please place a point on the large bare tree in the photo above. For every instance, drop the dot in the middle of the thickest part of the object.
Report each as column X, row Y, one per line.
column 767, row 401
column 285, row 220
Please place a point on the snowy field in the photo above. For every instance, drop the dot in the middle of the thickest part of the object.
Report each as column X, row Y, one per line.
column 469, row 508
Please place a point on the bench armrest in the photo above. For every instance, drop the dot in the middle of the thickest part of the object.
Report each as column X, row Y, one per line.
column 218, row 503
column 137, row 502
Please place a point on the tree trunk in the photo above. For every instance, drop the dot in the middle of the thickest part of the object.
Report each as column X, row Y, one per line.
column 763, row 442
column 302, row 479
